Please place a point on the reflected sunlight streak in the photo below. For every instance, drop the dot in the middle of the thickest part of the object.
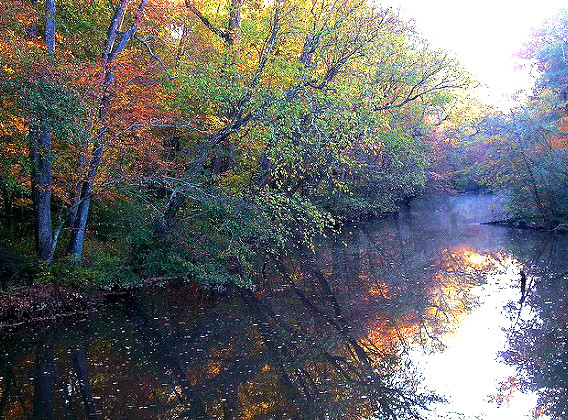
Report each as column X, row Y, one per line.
column 470, row 362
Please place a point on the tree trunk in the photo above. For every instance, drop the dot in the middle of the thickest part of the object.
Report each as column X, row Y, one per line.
column 164, row 222
column 533, row 184
column 40, row 154
column 235, row 22
column 8, row 201
column 50, row 26
column 112, row 49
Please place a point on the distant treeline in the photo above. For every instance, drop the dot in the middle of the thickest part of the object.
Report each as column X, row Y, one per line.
column 523, row 152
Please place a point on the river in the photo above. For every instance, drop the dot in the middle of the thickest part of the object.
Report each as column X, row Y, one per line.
column 419, row 314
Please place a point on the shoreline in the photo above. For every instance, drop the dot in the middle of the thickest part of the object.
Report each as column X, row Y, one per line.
column 514, row 223
column 37, row 303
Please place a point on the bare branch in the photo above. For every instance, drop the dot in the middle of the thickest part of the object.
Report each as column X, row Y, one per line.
column 144, row 41
column 225, row 36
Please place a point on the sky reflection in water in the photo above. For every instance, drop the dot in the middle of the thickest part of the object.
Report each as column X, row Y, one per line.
column 469, row 372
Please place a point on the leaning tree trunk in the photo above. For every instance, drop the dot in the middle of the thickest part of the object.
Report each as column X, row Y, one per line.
column 75, row 248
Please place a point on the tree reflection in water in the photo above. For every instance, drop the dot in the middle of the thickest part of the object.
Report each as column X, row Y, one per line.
column 538, row 338
column 325, row 336
column 326, row 345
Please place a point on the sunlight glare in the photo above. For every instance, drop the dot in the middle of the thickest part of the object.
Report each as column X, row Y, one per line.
column 484, row 35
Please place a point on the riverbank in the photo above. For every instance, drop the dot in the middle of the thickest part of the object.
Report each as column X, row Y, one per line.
column 35, row 303
column 41, row 302
column 37, row 295
column 531, row 225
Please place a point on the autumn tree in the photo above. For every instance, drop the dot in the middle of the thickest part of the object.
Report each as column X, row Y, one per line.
column 528, row 156
column 202, row 136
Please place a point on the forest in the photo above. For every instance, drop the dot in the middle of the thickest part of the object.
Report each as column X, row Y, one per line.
column 145, row 141
column 277, row 209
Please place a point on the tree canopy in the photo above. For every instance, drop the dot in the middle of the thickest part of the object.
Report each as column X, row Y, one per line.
column 190, row 137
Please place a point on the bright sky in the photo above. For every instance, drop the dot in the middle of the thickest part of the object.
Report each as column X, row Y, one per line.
column 483, row 34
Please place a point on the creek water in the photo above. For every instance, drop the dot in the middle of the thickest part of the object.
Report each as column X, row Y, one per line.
column 419, row 314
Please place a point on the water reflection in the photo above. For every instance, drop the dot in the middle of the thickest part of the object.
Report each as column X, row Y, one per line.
column 538, row 338
column 330, row 335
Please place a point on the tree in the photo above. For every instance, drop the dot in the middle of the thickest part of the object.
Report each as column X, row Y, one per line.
column 219, row 128
column 41, row 155
column 113, row 47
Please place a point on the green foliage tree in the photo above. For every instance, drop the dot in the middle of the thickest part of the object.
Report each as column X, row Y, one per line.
column 527, row 155
column 226, row 131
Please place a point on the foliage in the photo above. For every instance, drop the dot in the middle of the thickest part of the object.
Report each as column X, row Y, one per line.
column 522, row 152
column 525, row 149
column 208, row 136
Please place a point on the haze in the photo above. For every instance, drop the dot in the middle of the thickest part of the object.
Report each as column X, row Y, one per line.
column 484, row 35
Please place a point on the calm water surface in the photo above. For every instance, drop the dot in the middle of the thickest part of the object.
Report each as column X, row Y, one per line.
column 417, row 315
